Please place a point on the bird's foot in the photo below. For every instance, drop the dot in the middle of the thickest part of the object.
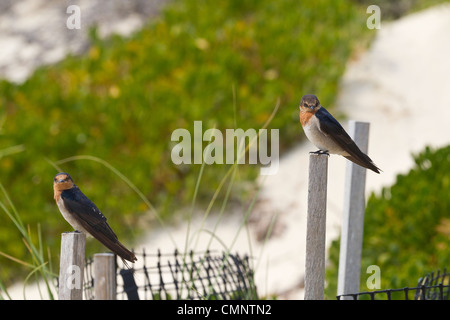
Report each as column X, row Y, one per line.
column 74, row 231
column 318, row 152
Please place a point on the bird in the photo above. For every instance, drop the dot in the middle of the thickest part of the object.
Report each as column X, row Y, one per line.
column 327, row 134
column 84, row 216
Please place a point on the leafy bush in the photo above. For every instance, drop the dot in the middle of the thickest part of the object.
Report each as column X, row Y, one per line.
column 406, row 227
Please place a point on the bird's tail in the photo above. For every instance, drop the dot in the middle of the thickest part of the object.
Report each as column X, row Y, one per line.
column 364, row 161
column 113, row 244
column 123, row 252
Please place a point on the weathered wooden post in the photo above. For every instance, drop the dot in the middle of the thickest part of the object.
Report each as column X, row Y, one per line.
column 316, row 227
column 71, row 268
column 352, row 228
column 104, row 276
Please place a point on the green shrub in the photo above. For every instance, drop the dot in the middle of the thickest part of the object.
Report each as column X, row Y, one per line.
column 406, row 227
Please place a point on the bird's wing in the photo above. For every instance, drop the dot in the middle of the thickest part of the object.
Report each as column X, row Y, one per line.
column 333, row 129
column 88, row 215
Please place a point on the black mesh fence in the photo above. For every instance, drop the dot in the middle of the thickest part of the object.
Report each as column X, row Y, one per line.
column 211, row 275
column 434, row 286
column 195, row 275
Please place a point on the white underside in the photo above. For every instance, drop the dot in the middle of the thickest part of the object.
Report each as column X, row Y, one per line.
column 321, row 140
column 69, row 217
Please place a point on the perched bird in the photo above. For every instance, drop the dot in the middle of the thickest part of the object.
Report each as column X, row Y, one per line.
column 327, row 134
column 84, row 216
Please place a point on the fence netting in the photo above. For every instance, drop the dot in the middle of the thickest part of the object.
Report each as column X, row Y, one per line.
column 434, row 286
column 178, row 276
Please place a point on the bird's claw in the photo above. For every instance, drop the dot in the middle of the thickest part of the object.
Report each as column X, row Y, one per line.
column 319, row 152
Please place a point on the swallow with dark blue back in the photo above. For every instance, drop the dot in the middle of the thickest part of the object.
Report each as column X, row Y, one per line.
column 326, row 133
column 84, row 216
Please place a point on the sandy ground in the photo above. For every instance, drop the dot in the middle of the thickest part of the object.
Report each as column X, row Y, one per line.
column 401, row 85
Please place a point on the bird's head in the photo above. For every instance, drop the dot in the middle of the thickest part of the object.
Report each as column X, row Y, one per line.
column 309, row 103
column 62, row 181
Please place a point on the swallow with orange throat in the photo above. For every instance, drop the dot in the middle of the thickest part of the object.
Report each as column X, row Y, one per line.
column 84, row 216
column 326, row 133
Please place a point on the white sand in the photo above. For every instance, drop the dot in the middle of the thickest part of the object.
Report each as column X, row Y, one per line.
column 402, row 87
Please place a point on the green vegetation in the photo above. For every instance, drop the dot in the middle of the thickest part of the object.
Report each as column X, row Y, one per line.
column 38, row 265
column 226, row 63
column 406, row 227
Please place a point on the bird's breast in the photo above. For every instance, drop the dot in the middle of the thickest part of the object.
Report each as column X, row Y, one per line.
column 320, row 139
column 70, row 218
column 312, row 132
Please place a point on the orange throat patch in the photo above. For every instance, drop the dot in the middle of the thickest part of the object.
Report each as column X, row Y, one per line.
column 305, row 116
column 60, row 187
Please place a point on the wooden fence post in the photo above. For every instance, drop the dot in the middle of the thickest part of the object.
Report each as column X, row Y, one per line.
column 71, row 268
column 316, row 227
column 104, row 276
column 353, row 216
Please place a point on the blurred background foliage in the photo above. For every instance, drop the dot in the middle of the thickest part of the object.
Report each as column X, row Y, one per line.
column 406, row 227
column 222, row 62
